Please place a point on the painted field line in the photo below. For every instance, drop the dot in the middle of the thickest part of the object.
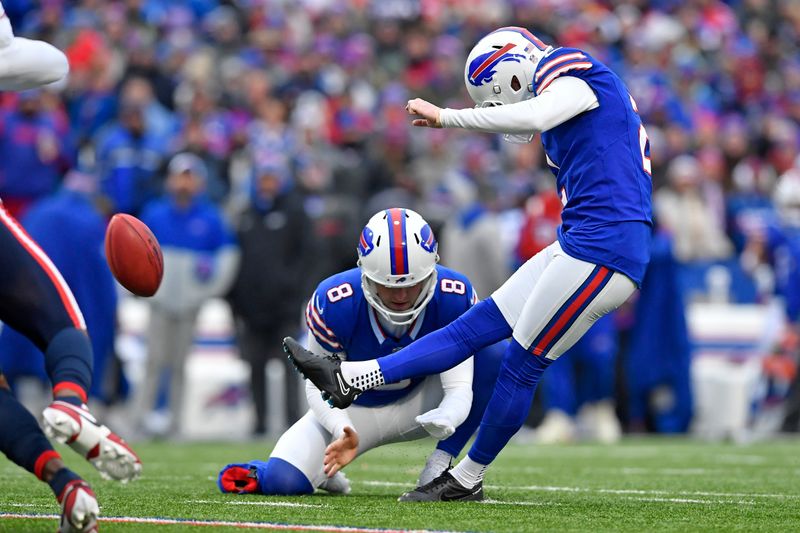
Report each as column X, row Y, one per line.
column 535, row 504
column 262, row 503
column 643, row 492
column 224, row 523
column 691, row 500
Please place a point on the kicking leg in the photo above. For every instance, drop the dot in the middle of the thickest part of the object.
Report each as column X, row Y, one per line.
column 342, row 382
column 568, row 297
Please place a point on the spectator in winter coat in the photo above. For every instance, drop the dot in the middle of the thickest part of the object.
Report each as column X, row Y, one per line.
column 200, row 261
column 267, row 296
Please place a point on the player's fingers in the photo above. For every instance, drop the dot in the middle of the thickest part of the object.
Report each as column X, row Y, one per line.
column 420, row 122
column 332, row 469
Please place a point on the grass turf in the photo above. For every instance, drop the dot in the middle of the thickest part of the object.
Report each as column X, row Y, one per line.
column 643, row 484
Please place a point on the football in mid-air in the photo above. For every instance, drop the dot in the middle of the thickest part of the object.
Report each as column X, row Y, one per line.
column 134, row 255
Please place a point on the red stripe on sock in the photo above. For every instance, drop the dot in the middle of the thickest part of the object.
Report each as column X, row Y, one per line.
column 74, row 387
column 42, row 460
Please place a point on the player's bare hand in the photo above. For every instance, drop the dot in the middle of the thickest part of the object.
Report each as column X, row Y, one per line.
column 340, row 452
column 429, row 113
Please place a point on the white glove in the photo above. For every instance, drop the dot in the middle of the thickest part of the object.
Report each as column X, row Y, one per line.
column 437, row 423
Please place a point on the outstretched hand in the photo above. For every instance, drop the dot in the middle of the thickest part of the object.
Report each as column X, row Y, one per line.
column 422, row 108
column 340, row 452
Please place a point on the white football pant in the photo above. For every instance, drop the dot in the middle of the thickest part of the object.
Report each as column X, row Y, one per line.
column 303, row 445
column 553, row 299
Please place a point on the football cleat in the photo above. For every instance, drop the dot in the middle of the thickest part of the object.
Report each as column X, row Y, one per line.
column 79, row 509
column 436, row 465
column 78, row 429
column 444, row 488
column 336, row 484
column 239, row 479
column 324, row 372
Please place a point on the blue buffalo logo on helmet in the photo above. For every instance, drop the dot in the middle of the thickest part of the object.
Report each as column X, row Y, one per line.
column 365, row 245
column 428, row 241
column 481, row 69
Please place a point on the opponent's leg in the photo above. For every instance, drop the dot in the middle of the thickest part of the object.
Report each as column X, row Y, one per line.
column 35, row 301
column 23, row 442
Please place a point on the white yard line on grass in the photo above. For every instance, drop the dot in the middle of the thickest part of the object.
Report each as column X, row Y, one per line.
column 498, row 502
column 225, row 523
column 690, row 500
column 264, row 503
column 643, row 492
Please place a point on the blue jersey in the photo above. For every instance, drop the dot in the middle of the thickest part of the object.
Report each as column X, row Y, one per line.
column 341, row 320
column 601, row 159
column 783, row 243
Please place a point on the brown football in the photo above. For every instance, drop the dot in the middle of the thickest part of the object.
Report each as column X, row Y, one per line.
column 134, row 255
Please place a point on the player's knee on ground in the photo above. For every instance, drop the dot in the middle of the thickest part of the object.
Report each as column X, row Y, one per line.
column 273, row 477
column 281, row 477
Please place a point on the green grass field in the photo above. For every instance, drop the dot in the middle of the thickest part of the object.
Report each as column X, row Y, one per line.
column 639, row 485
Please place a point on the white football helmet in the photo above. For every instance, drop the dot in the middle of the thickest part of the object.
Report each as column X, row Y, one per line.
column 398, row 249
column 499, row 69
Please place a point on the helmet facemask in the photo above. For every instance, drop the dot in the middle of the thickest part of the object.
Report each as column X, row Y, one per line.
column 400, row 318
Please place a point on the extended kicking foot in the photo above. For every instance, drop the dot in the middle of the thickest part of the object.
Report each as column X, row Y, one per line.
column 324, row 372
column 77, row 428
column 444, row 488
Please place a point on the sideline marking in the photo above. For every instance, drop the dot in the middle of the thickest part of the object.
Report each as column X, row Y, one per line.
column 267, row 504
column 223, row 523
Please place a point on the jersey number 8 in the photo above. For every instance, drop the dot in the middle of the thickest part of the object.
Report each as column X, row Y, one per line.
column 340, row 292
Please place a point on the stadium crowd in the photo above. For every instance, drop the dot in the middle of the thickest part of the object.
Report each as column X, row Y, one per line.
column 295, row 111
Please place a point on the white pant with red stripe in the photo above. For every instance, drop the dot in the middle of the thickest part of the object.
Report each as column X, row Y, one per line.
column 553, row 299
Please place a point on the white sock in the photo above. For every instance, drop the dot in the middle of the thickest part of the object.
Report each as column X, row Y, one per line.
column 364, row 375
column 468, row 472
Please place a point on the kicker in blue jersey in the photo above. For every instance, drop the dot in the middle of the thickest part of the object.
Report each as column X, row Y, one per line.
column 607, row 214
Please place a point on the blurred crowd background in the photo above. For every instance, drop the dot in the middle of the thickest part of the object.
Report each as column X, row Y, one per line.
column 256, row 137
